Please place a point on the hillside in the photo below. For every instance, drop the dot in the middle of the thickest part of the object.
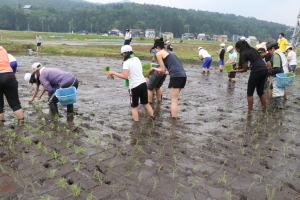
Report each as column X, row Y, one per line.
column 102, row 18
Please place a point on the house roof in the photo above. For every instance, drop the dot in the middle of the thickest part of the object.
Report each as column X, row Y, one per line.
column 167, row 33
column 27, row 6
column 150, row 29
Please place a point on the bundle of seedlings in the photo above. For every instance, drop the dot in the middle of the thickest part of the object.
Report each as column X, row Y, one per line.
column 109, row 76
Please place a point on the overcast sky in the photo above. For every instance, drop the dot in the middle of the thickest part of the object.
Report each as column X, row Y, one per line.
column 280, row 11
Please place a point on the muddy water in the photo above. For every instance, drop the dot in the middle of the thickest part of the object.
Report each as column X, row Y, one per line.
column 214, row 151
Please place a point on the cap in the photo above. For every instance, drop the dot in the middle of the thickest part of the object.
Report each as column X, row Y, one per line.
column 270, row 45
column 127, row 30
column 167, row 42
column 288, row 47
column 261, row 45
column 27, row 77
column 126, row 48
column 222, row 45
column 243, row 38
column 229, row 48
column 261, row 50
column 36, row 66
column 199, row 48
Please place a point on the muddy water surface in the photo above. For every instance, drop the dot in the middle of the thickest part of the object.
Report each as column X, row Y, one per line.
column 214, row 151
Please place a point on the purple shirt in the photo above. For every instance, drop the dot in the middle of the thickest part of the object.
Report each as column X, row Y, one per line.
column 54, row 78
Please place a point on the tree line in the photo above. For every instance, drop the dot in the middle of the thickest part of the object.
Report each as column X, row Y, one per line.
column 102, row 18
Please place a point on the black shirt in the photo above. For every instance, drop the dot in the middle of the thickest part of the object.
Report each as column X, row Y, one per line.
column 252, row 56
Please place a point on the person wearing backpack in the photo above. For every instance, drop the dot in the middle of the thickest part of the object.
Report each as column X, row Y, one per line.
column 279, row 65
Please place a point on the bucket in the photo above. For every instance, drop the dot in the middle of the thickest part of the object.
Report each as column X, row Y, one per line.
column 282, row 79
column 66, row 96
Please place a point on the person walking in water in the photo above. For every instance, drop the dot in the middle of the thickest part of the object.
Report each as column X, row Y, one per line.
column 132, row 70
column 169, row 61
column 38, row 42
column 128, row 37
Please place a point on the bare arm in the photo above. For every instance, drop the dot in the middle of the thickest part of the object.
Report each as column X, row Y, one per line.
column 244, row 68
column 34, row 94
column 123, row 75
column 39, row 97
column 159, row 56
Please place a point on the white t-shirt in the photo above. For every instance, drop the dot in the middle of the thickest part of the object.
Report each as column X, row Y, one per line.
column 204, row 53
column 11, row 58
column 127, row 36
column 135, row 77
column 293, row 55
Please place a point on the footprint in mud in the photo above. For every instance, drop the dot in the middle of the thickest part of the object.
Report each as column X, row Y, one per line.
column 265, row 164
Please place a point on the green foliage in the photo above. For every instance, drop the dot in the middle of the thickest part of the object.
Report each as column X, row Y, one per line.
column 67, row 16
column 290, row 74
column 228, row 67
column 146, row 68
column 107, row 68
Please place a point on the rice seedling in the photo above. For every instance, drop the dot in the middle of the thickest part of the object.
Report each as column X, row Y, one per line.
column 291, row 174
column 76, row 135
column 270, row 193
column 91, row 196
column 196, row 167
column 11, row 146
column 51, row 173
column 39, row 145
column 50, row 135
column 174, row 171
column 139, row 177
column 55, row 154
column 44, row 198
column 42, row 133
column 11, row 133
column 97, row 175
column 62, row 182
column 59, row 140
column 223, row 179
column 79, row 149
column 112, row 164
column 62, row 160
column 76, row 189
column 155, row 181
column 32, row 159
column 69, row 144
column 251, row 186
column 77, row 166
column 159, row 167
column 127, row 196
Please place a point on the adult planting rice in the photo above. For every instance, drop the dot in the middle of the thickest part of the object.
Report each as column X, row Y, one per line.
column 53, row 79
column 258, row 73
column 8, row 88
column 132, row 70
column 34, row 79
column 169, row 61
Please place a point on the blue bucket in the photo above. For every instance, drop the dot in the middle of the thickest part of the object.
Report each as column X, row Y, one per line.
column 283, row 81
column 66, row 96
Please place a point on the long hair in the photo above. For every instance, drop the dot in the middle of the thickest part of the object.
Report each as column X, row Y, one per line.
column 243, row 46
column 127, row 55
column 159, row 43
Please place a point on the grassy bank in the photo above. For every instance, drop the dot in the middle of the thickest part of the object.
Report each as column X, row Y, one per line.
column 184, row 49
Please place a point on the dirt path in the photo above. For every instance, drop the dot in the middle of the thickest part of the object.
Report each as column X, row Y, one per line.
column 213, row 152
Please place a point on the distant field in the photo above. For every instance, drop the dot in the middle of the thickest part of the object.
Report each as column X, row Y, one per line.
column 184, row 49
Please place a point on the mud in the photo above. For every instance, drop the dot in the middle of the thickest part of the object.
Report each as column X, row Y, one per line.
column 214, row 151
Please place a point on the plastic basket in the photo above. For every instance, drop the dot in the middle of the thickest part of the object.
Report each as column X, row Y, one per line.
column 283, row 81
column 66, row 96
column 154, row 65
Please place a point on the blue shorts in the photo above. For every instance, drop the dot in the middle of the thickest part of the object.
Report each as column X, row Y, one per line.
column 206, row 63
column 221, row 62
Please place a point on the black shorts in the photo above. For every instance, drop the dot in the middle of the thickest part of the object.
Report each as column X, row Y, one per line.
column 156, row 80
column 9, row 89
column 138, row 93
column 38, row 44
column 177, row 82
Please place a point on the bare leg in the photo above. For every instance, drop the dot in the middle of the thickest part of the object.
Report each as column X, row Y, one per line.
column 263, row 101
column 150, row 96
column 19, row 114
column 159, row 93
column 250, row 103
column 149, row 109
column 135, row 114
column 285, row 95
column 1, row 117
column 174, row 101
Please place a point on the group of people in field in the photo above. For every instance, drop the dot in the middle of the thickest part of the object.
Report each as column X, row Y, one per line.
column 265, row 62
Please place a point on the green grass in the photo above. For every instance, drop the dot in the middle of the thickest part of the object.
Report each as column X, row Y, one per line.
column 184, row 49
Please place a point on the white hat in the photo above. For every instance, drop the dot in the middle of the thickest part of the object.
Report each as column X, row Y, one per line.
column 222, row 45
column 288, row 48
column 229, row 48
column 199, row 48
column 126, row 48
column 27, row 77
column 243, row 38
column 36, row 66
column 167, row 42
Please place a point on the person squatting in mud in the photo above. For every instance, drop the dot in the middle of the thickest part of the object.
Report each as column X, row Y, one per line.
column 169, row 61
column 132, row 70
column 33, row 78
column 53, row 79
column 258, row 73
column 9, row 88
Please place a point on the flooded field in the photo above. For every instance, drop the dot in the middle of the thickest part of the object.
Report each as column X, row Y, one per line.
column 215, row 151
